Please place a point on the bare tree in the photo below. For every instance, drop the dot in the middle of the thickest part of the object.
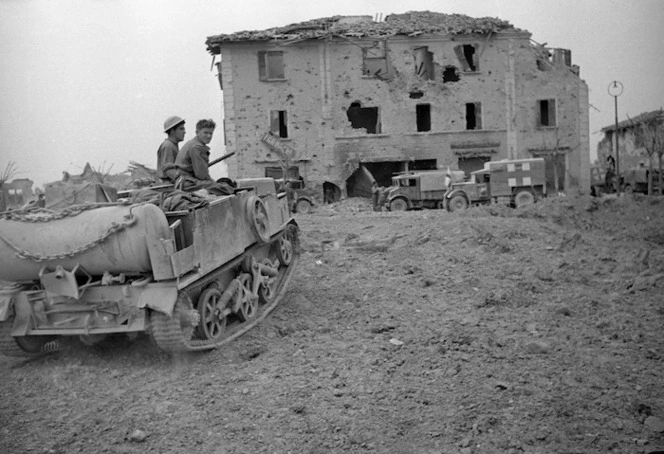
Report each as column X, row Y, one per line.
column 650, row 134
column 101, row 173
column 553, row 153
column 287, row 156
column 660, row 152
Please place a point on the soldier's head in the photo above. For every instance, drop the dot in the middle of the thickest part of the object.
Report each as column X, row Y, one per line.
column 174, row 127
column 205, row 130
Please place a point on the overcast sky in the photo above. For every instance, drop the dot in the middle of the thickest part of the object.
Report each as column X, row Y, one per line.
column 93, row 80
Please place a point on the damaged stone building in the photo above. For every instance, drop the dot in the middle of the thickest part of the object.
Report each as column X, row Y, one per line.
column 333, row 98
column 635, row 136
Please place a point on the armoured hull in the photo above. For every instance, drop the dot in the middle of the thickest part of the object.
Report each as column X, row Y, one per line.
column 193, row 278
column 105, row 239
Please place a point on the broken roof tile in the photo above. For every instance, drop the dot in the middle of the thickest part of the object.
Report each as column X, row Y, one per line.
column 409, row 24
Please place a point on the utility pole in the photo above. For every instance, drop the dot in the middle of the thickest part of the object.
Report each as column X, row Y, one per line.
column 615, row 89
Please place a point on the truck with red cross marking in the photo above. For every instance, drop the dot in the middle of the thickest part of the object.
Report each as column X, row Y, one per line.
column 516, row 182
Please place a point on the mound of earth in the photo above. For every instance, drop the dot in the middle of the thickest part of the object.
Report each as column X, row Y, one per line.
column 494, row 330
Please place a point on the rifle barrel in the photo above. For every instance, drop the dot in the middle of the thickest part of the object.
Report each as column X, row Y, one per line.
column 226, row 156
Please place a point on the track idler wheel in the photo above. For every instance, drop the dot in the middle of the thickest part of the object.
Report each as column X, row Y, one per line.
column 173, row 334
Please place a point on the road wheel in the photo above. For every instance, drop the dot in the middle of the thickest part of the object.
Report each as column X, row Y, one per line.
column 285, row 249
column 286, row 244
column 303, row 206
column 258, row 219
column 524, row 198
column 248, row 302
column 213, row 320
column 457, row 203
column 628, row 189
column 398, row 204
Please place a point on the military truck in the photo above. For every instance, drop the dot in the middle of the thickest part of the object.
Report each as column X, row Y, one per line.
column 300, row 199
column 636, row 180
column 517, row 182
column 421, row 189
column 599, row 184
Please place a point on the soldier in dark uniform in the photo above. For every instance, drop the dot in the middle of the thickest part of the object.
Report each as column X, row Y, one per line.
column 193, row 160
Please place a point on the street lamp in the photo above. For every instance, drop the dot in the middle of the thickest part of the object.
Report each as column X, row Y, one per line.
column 615, row 89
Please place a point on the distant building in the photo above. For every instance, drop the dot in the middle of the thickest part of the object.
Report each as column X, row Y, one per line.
column 15, row 193
column 419, row 90
column 631, row 139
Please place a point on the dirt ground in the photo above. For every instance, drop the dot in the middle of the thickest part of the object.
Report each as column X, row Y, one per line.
column 495, row 330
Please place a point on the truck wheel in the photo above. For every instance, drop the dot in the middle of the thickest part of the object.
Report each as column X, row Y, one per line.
column 628, row 189
column 457, row 203
column 398, row 204
column 303, row 206
column 524, row 198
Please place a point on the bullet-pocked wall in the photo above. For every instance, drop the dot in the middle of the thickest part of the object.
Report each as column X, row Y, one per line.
column 428, row 101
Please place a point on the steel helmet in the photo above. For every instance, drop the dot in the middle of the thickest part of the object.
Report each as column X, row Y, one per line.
column 172, row 122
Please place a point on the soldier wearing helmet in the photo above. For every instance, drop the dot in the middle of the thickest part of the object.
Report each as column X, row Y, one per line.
column 168, row 150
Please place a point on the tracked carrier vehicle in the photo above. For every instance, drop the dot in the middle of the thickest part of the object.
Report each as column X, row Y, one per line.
column 193, row 279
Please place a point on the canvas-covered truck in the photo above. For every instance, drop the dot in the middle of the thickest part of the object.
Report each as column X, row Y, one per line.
column 517, row 182
column 421, row 189
column 192, row 276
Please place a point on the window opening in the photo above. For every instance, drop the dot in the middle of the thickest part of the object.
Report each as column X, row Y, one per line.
column 450, row 74
column 424, row 63
column 471, row 164
column 364, row 118
column 416, row 94
column 423, row 112
column 466, row 53
column 422, row 164
column 473, row 115
column 547, row 112
column 375, row 61
column 271, row 65
column 279, row 123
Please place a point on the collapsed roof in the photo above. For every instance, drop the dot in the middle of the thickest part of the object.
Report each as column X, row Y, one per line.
column 412, row 23
column 654, row 118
